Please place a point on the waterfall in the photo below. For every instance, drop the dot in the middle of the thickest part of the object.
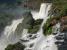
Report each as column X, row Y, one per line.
column 41, row 42
column 9, row 29
column 8, row 36
column 44, row 43
column 36, row 41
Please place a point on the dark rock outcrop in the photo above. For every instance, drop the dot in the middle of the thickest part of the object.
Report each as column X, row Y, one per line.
column 35, row 27
column 16, row 46
column 26, row 23
column 63, row 24
column 30, row 3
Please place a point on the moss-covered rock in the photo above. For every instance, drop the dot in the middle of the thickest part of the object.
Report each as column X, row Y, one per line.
column 47, row 28
column 19, row 29
column 17, row 46
column 35, row 27
column 29, row 23
column 48, row 31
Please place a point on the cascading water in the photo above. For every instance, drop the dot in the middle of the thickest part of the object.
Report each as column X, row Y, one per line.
column 44, row 43
column 7, row 36
column 41, row 42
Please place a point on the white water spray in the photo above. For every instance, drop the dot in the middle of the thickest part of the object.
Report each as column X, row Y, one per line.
column 8, row 37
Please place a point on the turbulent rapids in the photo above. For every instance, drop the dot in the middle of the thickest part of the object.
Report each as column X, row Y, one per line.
column 35, row 41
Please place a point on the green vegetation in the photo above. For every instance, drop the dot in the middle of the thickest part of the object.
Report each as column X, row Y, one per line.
column 48, row 31
column 59, row 7
column 17, row 46
column 35, row 27
column 47, row 28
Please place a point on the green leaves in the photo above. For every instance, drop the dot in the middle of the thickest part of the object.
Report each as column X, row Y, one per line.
column 47, row 29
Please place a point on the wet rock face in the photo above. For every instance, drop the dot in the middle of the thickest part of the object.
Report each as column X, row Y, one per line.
column 48, row 26
column 63, row 24
column 63, row 34
column 26, row 23
column 30, row 3
column 53, row 22
column 35, row 27
column 28, row 20
column 64, row 20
